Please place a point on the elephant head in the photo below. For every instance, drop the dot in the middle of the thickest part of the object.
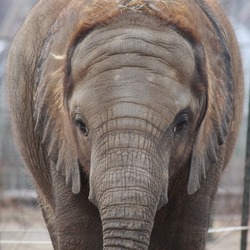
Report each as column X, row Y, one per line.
column 125, row 99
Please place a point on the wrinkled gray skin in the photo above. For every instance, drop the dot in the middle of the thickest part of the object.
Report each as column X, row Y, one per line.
column 130, row 118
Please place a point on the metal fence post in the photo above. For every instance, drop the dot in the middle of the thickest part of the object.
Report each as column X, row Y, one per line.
column 246, row 194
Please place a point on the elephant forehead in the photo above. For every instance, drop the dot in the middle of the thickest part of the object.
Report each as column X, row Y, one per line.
column 138, row 42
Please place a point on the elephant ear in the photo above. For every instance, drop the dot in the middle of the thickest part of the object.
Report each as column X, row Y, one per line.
column 206, row 150
column 53, row 122
column 216, row 121
column 213, row 127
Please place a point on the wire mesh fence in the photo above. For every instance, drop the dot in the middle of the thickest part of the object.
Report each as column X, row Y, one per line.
column 21, row 222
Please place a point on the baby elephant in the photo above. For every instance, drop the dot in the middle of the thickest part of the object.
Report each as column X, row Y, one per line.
column 126, row 113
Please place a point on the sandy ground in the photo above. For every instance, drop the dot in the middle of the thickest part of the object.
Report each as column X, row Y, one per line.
column 23, row 228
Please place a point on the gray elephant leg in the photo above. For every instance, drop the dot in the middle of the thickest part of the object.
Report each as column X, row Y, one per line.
column 182, row 224
column 49, row 218
column 77, row 220
column 190, row 230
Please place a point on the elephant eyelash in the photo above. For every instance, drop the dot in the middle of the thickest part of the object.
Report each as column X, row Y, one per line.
column 81, row 125
column 182, row 120
column 180, row 126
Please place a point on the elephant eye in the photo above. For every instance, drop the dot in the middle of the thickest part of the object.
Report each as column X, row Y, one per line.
column 181, row 121
column 81, row 125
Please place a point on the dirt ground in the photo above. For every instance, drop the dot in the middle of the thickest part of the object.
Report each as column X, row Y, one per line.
column 23, row 228
column 226, row 240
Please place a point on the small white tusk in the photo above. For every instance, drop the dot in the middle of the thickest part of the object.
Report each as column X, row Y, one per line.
column 58, row 57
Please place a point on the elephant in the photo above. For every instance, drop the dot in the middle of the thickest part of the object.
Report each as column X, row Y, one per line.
column 126, row 113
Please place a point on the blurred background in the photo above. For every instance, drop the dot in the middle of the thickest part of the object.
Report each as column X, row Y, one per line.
column 21, row 223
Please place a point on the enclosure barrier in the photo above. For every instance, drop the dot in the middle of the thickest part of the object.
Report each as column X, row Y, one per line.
column 246, row 192
column 17, row 242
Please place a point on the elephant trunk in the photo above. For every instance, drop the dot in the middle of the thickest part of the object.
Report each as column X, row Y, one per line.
column 127, row 212
column 127, row 187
